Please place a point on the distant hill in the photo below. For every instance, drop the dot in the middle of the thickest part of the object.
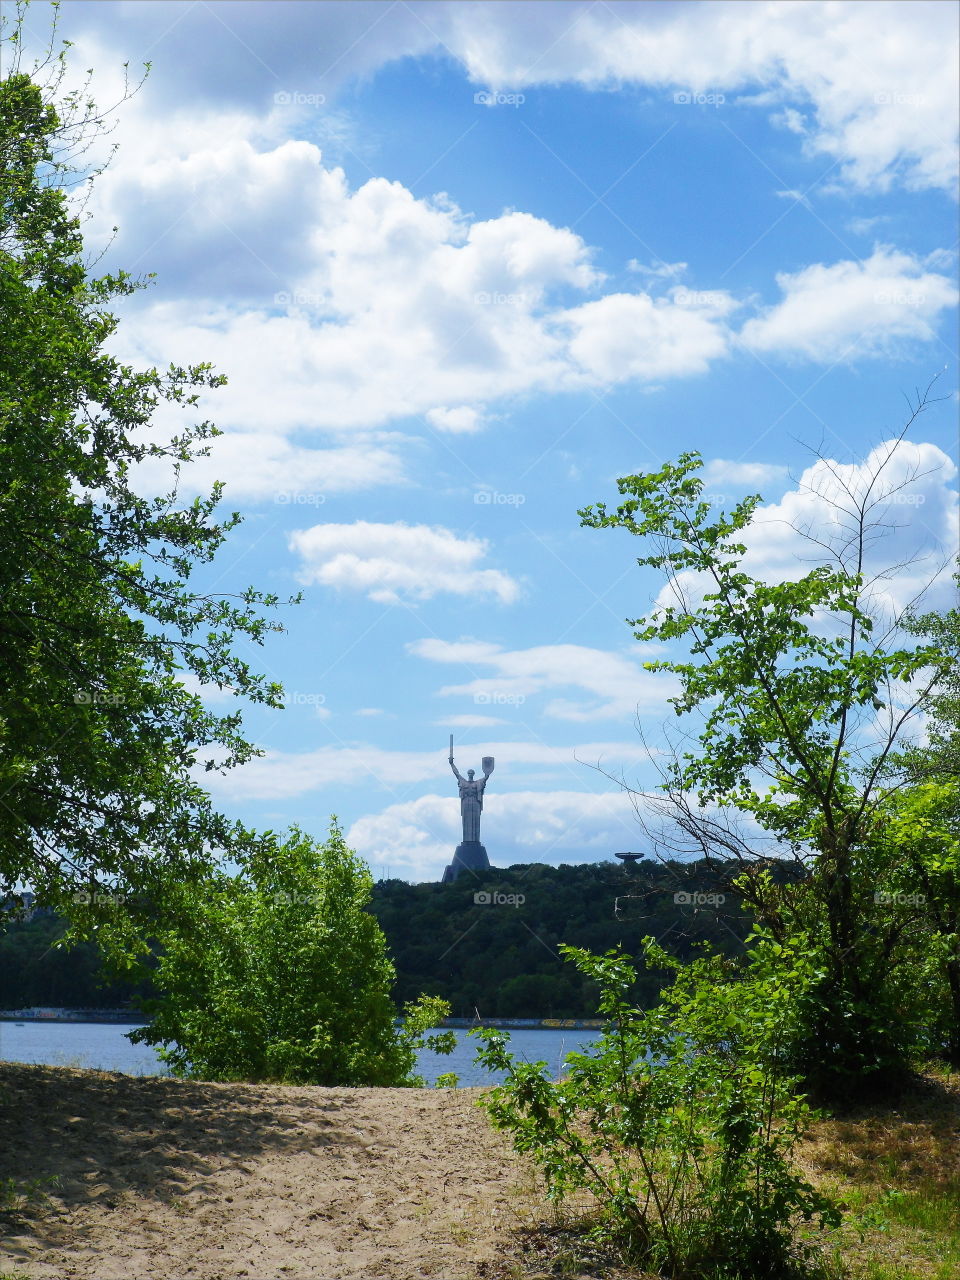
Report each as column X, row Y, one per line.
column 499, row 955
column 496, row 954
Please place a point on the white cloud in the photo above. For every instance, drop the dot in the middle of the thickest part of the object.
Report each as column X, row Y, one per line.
column 912, row 500
column 796, row 196
column 460, row 420
column 398, row 307
column 256, row 465
column 852, row 309
column 390, row 562
column 657, row 270
column 867, row 226
column 416, row 838
column 872, row 84
column 618, row 686
column 335, row 311
column 284, row 774
column 630, row 335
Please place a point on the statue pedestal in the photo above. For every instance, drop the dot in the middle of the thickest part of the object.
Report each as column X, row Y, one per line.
column 469, row 856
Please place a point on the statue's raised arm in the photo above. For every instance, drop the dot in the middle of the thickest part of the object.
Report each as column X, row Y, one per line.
column 456, row 772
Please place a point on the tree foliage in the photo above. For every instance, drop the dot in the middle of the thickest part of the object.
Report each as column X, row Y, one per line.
column 281, row 973
column 679, row 1121
column 99, row 619
column 788, row 678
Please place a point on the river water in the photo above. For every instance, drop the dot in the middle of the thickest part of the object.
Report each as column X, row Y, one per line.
column 105, row 1046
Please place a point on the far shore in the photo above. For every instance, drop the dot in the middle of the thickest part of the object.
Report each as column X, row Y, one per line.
column 131, row 1016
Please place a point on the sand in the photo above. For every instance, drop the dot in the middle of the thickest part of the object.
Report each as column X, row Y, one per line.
column 161, row 1179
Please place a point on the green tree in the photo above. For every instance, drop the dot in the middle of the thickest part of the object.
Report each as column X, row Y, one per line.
column 923, row 825
column 788, row 678
column 939, row 756
column 99, row 619
column 678, row 1121
column 281, row 973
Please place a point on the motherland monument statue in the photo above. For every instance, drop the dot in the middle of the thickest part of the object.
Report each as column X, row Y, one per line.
column 470, row 855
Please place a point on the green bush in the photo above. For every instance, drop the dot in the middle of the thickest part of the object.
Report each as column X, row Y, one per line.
column 679, row 1122
column 281, row 973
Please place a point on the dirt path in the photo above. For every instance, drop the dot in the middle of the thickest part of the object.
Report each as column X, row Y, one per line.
column 167, row 1180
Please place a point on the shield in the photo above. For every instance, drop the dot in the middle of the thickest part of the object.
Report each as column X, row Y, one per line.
column 487, row 764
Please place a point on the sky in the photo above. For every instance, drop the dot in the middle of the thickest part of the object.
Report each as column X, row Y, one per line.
column 465, row 264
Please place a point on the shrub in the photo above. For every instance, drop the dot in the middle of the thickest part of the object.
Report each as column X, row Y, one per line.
column 679, row 1122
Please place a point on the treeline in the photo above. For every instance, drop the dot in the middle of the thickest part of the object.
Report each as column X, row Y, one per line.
column 488, row 944
column 36, row 970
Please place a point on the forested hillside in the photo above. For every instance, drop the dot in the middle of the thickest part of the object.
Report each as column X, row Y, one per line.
column 496, row 954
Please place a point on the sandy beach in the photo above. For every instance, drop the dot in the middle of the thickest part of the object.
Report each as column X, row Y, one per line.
column 162, row 1179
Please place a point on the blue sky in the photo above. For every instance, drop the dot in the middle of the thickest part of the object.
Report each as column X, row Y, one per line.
column 465, row 264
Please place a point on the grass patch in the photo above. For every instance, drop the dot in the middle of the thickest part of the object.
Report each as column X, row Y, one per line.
column 896, row 1169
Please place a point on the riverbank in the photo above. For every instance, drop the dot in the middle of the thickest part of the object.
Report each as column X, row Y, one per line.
column 129, row 1016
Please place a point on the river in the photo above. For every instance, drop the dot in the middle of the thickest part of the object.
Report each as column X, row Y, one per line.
column 104, row 1046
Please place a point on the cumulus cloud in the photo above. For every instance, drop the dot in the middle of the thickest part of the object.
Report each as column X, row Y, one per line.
column 630, row 335
column 255, row 465
column 852, row 309
column 402, row 308
column 460, row 420
column 618, row 686
column 908, row 490
column 390, row 562
column 338, row 309
column 872, row 84
column 399, row 307
column 416, row 838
